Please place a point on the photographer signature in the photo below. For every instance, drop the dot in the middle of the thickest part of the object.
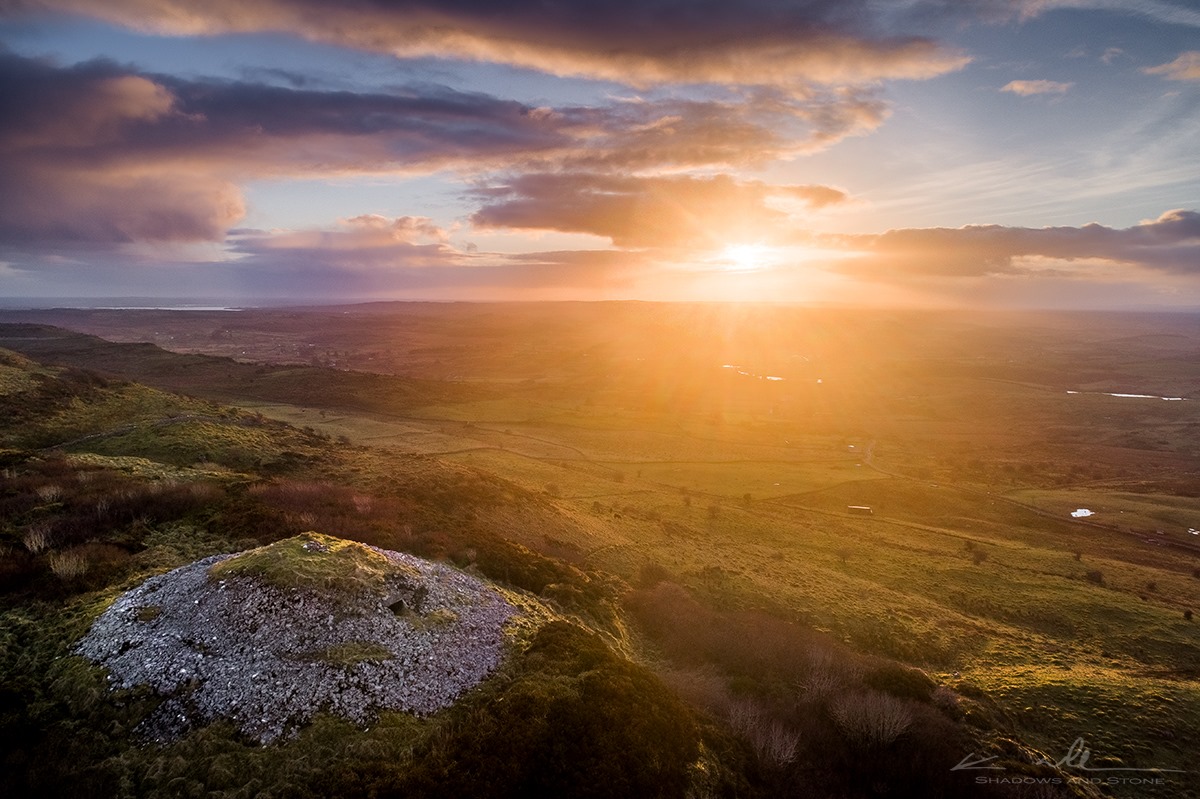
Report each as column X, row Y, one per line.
column 1076, row 758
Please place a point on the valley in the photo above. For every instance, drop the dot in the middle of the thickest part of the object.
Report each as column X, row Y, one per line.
column 904, row 490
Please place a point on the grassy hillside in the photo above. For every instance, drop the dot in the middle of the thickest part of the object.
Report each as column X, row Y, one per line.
column 717, row 545
column 107, row 482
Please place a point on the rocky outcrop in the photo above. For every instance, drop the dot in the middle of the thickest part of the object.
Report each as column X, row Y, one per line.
column 222, row 644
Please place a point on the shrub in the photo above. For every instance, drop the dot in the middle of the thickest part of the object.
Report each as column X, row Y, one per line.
column 824, row 680
column 69, row 564
column 945, row 699
column 900, row 681
column 870, row 718
column 1095, row 576
column 577, row 721
column 1187, row 615
column 773, row 741
column 50, row 492
column 651, row 574
column 37, row 538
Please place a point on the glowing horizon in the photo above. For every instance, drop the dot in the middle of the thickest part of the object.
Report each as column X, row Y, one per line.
column 918, row 155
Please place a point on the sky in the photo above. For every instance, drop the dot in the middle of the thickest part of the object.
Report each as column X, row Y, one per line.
column 891, row 153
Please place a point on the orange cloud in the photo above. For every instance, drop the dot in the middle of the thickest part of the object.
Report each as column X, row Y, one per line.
column 678, row 211
column 1185, row 67
column 96, row 152
column 1170, row 243
column 373, row 256
column 1026, row 88
column 636, row 135
column 639, row 42
column 367, row 241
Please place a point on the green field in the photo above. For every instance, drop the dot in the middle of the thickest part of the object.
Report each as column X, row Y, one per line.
column 969, row 567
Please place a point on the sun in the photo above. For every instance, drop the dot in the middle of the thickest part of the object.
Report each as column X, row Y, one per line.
column 744, row 257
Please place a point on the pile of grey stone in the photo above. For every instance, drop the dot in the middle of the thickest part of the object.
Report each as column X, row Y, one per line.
column 247, row 651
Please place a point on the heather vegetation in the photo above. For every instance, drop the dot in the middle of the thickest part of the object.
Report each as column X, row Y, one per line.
column 80, row 527
column 720, row 609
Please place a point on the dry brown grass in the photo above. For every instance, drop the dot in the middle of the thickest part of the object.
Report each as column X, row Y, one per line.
column 69, row 564
column 37, row 538
column 50, row 492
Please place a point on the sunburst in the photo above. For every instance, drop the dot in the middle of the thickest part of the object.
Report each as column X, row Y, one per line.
column 745, row 257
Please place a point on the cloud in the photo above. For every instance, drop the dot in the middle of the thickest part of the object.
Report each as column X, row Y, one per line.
column 96, row 152
column 636, row 134
column 372, row 256
column 1111, row 54
column 363, row 242
column 52, row 122
column 1170, row 244
column 1171, row 12
column 673, row 211
column 99, row 152
column 778, row 43
column 1026, row 88
column 413, row 257
column 1185, row 67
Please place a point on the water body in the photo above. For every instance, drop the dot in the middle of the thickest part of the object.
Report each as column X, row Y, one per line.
column 1131, row 396
column 743, row 372
column 164, row 308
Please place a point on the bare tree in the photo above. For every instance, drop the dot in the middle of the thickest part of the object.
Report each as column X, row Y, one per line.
column 827, row 674
column 772, row 740
column 870, row 718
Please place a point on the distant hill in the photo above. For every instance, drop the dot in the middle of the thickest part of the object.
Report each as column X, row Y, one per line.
column 224, row 378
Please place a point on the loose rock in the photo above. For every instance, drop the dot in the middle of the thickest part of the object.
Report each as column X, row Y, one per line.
column 270, row 659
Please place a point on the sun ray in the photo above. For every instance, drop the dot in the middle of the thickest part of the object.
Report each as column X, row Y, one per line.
column 745, row 257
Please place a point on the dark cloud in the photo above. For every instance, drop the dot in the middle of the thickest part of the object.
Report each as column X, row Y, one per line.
column 782, row 43
column 1170, row 243
column 100, row 152
column 97, row 152
column 62, row 133
column 676, row 211
column 411, row 257
column 363, row 243
column 747, row 131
